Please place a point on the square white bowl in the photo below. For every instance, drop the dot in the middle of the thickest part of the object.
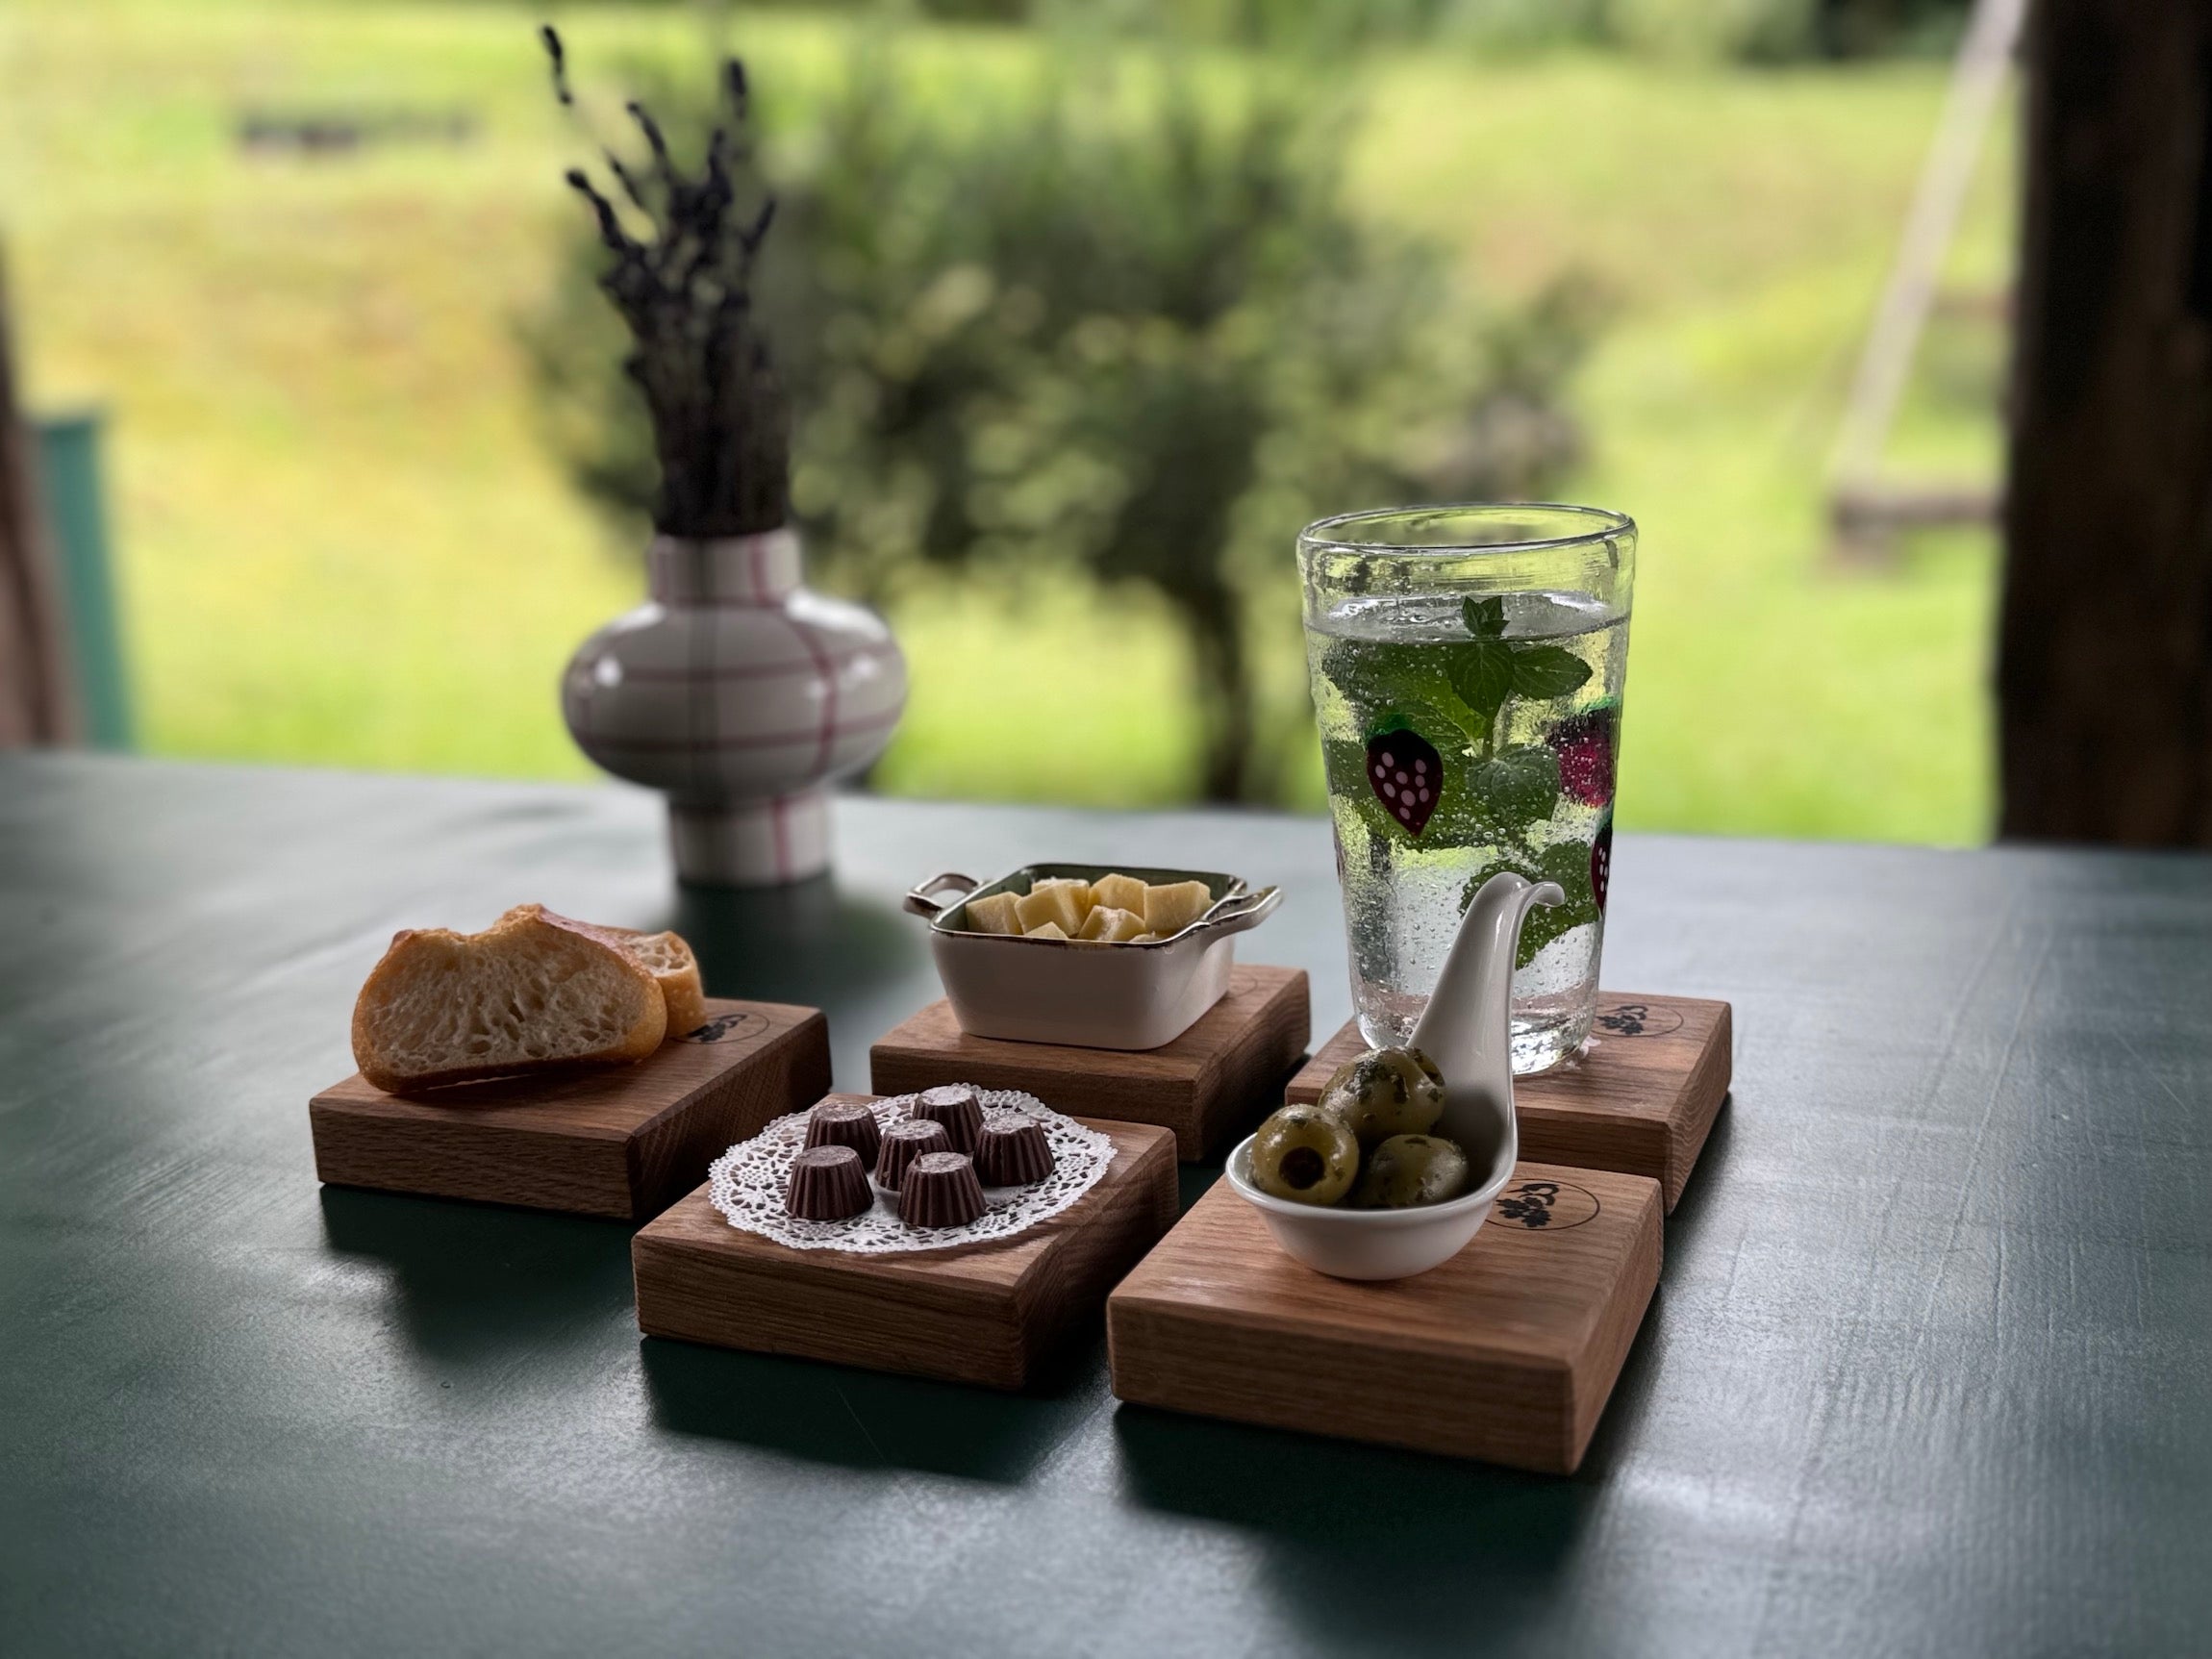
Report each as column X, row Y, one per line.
column 1086, row 993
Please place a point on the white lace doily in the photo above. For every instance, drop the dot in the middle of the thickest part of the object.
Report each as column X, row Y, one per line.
column 746, row 1184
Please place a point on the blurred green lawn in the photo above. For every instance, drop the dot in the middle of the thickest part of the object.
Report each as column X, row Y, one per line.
column 343, row 543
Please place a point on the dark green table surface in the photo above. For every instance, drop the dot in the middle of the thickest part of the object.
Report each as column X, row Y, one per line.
column 1929, row 1369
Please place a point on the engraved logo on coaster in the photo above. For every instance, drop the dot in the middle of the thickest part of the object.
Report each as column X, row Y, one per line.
column 724, row 1026
column 1551, row 1206
column 1637, row 1020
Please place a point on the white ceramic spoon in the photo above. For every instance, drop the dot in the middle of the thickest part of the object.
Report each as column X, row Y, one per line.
column 1468, row 1030
column 1466, row 1027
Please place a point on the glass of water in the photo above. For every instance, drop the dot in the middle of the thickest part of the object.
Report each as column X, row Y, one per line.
column 1466, row 665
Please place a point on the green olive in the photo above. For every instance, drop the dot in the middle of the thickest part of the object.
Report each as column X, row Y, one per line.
column 1385, row 1093
column 1409, row 1169
column 1305, row 1155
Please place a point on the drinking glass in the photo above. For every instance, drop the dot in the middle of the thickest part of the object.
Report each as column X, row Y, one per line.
column 1466, row 665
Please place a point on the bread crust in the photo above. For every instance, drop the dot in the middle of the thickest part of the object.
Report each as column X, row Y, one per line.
column 683, row 989
column 667, row 956
column 386, row 980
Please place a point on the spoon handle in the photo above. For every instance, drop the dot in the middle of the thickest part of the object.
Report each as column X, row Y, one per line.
column 1466, row 1027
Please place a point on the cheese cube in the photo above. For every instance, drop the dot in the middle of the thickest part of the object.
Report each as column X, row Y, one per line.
column 1111, row 925
column 1063, row 903
column 1171, row 909
column 994, row 912
column 1046, row 930
column 1121, row 891
column 1085, row 894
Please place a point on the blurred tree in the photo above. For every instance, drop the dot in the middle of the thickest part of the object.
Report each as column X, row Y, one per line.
column 1107, row 321
column 1713, row 29
column 1756, row 29
column 1864, row 28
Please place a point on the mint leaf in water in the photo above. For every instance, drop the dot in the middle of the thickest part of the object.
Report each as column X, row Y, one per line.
column 1569, row 865
column 1514, row 792
column 1544, row 672
column 1482, row 675
column 1543, row 924
column 1485, row 617
column 1390, row 680
column 1344, row 764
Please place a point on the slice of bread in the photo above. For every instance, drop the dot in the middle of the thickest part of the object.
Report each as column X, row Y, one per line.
column 664, row 955
column 676, row 971
column 525, row 994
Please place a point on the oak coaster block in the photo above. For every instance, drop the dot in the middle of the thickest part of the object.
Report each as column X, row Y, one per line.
column 1641, row 1098
column 624, row 1143
column 990, row 1312
column 1507, row 1353
column 1217, row 1079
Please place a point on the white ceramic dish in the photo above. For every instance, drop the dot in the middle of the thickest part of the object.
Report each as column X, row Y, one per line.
column 1084, row 992
column 1372, row 1244
column 1467, row 1030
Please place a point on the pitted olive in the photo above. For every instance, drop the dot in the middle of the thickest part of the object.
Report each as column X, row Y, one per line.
column 1385, row 1093
column 1409, row 1169
column 1305, row 1155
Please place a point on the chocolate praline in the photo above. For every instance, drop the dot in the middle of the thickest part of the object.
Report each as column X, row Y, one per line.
column 902, row 1143
column 827, row 1184
column 941, row 1190
column 1012, row 1151
column 957, row 1106
column 846, row 1124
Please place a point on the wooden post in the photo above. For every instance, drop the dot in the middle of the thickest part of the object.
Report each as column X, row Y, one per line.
column 35, row 705
column 2104, row 665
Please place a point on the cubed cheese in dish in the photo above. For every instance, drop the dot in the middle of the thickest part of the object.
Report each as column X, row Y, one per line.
column 994, row 912
column 1171, row 909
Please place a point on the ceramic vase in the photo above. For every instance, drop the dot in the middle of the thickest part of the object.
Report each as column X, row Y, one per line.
column 743, row 697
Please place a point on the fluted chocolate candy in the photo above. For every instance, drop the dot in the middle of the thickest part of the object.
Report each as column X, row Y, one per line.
column 941, row 1190
column 827, row 1184
column 956, row 1106
column 846, row 1124
column 905, row 1141
column 1012, row 1151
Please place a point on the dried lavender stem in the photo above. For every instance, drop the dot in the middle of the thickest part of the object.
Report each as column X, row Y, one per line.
column 720, row 426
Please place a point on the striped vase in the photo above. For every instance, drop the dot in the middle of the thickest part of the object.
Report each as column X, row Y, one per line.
column 742, row 695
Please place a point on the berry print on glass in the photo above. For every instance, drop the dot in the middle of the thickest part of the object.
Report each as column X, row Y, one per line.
column 1406, row 775
column 1584, row 745
column 1601, row 861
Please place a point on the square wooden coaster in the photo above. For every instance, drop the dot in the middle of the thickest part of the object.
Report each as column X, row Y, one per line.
column 1219, row 1078
column 1641, row 1100
column 987, row 1314
column 624, row 1143
column 1507, row 1353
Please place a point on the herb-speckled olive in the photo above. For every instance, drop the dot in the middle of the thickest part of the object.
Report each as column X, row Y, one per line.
column 1305, row 1155
column 1409, row 1169
column 1388, row 1092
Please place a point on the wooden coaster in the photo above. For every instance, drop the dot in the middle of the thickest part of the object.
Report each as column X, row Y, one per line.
column 624, row 1143
column 1219, row 1078
column 1507, row 1353
column 987, row 1314
column 1642, row 1098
